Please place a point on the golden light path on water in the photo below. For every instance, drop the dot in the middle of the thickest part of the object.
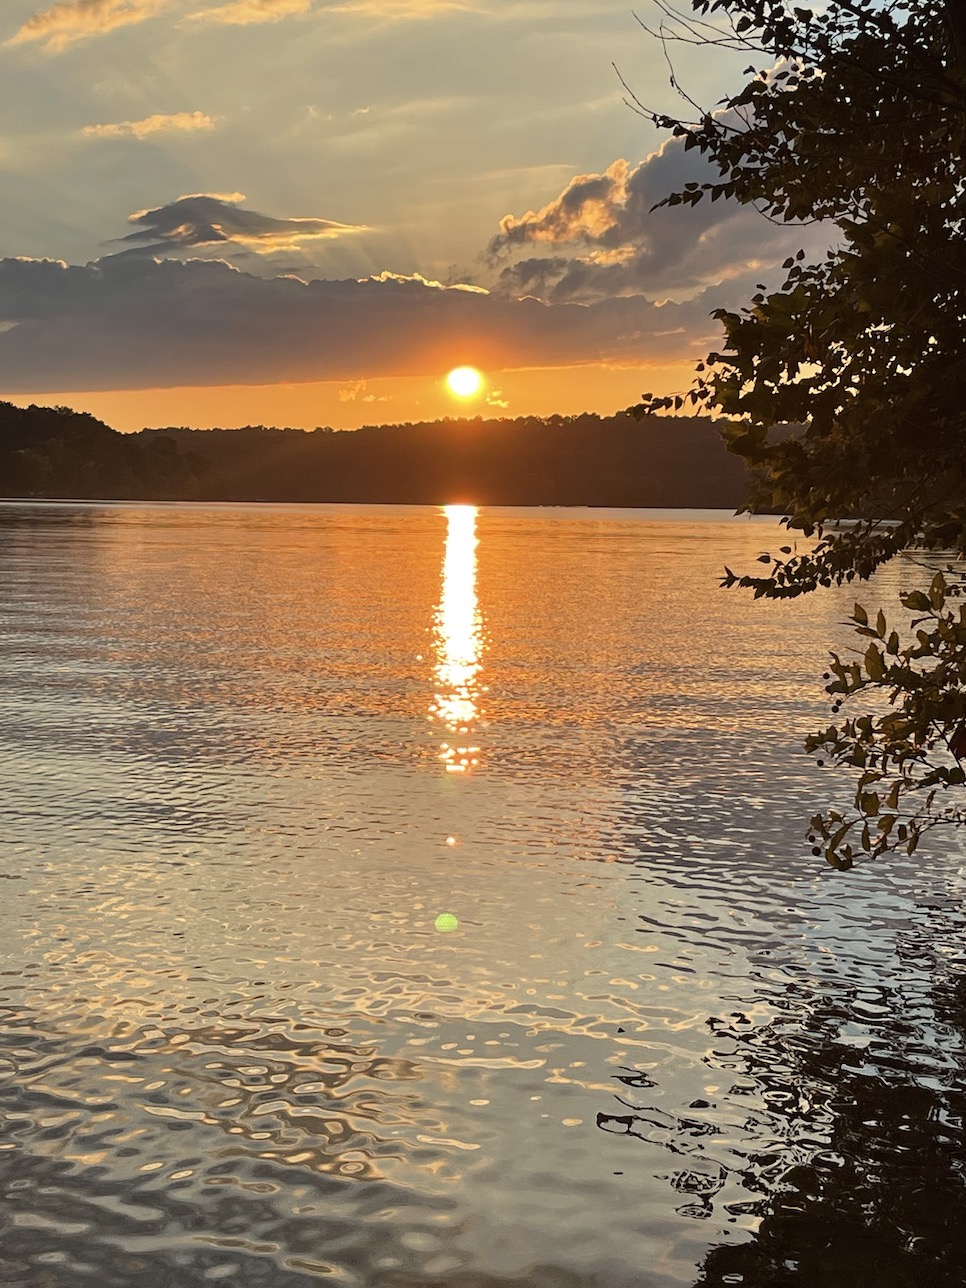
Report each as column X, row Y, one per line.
column 458, row 642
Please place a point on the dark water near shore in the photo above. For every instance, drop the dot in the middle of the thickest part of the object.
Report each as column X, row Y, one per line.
column 399, row 897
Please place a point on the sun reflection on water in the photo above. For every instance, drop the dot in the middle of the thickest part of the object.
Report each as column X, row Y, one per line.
column 458, row 643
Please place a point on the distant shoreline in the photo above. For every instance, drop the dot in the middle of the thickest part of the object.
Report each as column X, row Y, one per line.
column 615, row 462
column 683, row 514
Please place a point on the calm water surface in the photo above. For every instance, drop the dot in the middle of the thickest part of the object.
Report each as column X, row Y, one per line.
column 409, row 896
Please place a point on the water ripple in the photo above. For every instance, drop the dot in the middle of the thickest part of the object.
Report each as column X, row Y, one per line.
column 287, row 998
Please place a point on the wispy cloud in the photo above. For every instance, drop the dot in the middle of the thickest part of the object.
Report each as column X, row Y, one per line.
column 159, row 123
column 387, row 276
column 243, row 12
column 412, row 9
column 70, row 21
column 356, row 389
column 214, row 219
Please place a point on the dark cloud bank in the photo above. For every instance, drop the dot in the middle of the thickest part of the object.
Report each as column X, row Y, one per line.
column 129, row 323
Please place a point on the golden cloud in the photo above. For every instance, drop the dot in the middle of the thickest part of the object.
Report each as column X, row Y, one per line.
column 244, row 12
column 603, row 236
column 159, row 123
column 391, row 9
column 69, row 21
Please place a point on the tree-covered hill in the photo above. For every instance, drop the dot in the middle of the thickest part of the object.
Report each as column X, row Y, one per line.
column 584, row 460
column 56, row 452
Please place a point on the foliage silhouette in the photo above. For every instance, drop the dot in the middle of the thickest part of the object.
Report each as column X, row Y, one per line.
column 858, row 121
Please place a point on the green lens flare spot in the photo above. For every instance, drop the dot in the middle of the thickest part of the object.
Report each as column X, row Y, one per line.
column 446, row 922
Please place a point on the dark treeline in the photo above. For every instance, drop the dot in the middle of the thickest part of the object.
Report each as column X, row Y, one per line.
column 56, row 452
column 558, row 460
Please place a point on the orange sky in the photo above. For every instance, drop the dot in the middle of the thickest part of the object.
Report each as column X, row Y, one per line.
column 537, row 391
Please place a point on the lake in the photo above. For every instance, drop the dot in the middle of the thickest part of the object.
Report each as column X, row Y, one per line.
column 409, row 896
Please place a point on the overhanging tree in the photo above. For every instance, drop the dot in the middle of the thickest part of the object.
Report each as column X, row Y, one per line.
column 855, row 116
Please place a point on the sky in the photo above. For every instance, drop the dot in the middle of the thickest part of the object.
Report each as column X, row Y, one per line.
column 306, row 212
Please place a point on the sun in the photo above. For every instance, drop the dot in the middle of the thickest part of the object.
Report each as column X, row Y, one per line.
column 464, row 382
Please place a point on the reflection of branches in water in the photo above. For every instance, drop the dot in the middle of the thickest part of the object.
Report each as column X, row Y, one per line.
column 884, row 1204
column 844, row 1127
column 700, row 1177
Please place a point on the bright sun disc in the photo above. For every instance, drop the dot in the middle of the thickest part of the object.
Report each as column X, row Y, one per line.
column 464, row 382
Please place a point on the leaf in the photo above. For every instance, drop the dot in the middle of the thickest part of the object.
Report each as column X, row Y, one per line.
column 869, row 803
column 874, row 664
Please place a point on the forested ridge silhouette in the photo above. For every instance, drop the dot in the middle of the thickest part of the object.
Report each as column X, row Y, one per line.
column 557, row 460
